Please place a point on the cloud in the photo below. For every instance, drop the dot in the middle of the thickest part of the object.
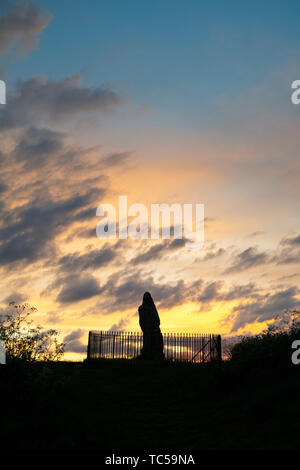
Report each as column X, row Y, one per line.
column 290, row 251
column 43, row 192
column 77, row 288
column 265, row 307
column 37, row 101
column 17, row 298
column 21, row 26
column 256, row 234
column 94, row 259
column 3, row 187
column 120, row 325
column 288, row 256
column 31, row 235
column 158, row 250
column 213, row 254
column 73, row 341
column 37, row 146
column 293, row 241
column 241, row 291
column 124, row 291
column 210, row 292
column 215, row 292
column 247, row 259
column 115, row 159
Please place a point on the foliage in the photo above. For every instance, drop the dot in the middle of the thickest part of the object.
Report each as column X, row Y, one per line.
column 269, row 350
column 289, row 321
column 26, row 341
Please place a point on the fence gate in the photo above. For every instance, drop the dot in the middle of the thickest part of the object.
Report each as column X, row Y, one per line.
column 177, row 346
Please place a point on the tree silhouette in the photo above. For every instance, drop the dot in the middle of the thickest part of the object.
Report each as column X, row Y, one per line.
column 26, row 341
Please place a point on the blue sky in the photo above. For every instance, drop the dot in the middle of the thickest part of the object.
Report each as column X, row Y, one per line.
column 180, row 101
column 179, row 57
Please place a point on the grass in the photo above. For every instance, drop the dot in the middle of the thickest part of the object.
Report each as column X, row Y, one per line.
column 119, row 404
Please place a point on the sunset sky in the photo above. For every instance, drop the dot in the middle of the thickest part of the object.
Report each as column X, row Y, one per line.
column 164, row 101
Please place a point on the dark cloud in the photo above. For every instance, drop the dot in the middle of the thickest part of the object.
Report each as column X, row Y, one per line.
column 37, row 101
column 291, row 241
column 21, row 26
column 150, row 255
column 37, row 146
column 213, row 254
column 17, row 298
column 120, row 325
column 76, row 262
column 248, row 258
column 31, row 235
column 255, row 234
column 289, row 251
column 210, row 292
column 176, row 294
column 116, row 159
column 3, row 187
column 54, row 317
column 86, row 232
column 265, row 307
column 241, row 291
column 73, row 342
column 158, row 250
column 78, row 288
column 288, row 256
column 124, row 291
column 215, row 292
column 177, row 243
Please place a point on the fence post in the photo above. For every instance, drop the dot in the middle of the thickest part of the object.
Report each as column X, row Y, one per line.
column 100, row 349
column 89, row 346
column 219, row 348
column 113, row 349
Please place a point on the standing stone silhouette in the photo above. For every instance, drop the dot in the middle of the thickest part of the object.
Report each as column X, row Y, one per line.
column 150, row 325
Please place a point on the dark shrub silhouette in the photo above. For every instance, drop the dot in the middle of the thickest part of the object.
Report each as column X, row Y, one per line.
column 270, row 350
column 23, row 340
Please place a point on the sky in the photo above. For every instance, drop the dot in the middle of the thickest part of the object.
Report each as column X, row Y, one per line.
column 165, row 102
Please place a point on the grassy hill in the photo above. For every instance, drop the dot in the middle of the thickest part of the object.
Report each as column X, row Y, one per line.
column 119, row 404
